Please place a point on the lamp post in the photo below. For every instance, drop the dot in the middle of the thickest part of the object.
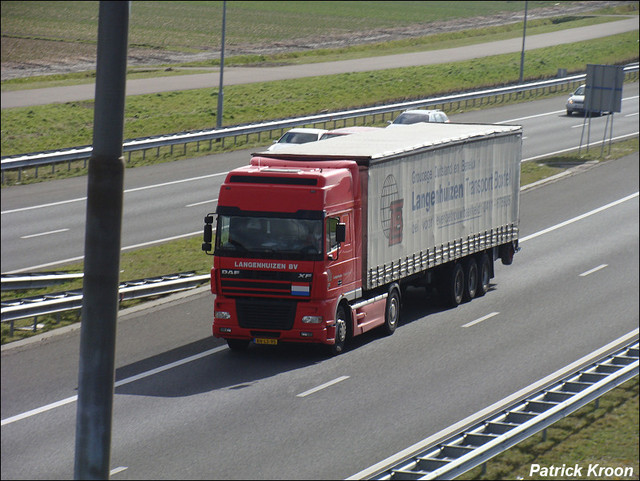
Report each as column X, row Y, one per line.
column 220, row 95
column 524, row 34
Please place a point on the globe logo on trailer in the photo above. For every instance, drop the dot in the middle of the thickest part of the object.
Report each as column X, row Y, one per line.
column 391, row 210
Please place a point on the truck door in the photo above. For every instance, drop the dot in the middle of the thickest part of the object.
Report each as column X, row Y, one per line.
column 341, row 256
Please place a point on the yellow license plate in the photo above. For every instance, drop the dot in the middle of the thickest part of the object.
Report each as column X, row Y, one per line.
column 266, row 340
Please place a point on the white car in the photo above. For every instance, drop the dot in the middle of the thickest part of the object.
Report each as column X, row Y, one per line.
column 297, row 136
column 575, row 103
column 347, row 131
column 416, row 116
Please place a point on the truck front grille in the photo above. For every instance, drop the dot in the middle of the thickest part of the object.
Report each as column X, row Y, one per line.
column 258, row 313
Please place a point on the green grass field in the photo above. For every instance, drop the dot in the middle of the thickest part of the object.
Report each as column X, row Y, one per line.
column 197, row 26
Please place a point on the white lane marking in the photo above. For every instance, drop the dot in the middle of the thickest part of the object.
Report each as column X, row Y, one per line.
column 22, row 209
column 580, row 217
column 203, row 202
column 323, row 386
column 126, row 191
column 484, row 318
column 117, row 470
column 175, row 237
column 43, row 233
column 633, row 97
column 122, row 382
column 595, row 269
column 592, row 144
column 632, row 115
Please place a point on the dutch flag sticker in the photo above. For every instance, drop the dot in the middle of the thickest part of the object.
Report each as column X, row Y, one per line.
column 299, row 289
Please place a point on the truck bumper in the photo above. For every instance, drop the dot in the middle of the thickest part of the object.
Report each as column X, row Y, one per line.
column 226, row 324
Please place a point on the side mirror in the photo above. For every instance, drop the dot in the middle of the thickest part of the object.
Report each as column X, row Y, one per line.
column 208, row 234
column 341, row 233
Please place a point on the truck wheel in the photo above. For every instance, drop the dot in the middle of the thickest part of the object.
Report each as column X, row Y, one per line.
column 237, row 344
column 453, row 285
column 484, row 277
column 341, row 330
column 392, row 312
column 470, row 279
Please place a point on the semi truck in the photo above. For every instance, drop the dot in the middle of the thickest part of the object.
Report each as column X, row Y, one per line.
column 318, row 243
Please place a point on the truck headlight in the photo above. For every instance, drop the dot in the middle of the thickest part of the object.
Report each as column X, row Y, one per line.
column 222, row 315
column 312, row 319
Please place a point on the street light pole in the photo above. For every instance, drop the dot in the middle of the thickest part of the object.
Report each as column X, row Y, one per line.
column 105, row 182
column 524, row 34
column 220, row 94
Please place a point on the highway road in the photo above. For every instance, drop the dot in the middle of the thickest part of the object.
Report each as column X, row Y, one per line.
column 188, row 408
column 43, row 224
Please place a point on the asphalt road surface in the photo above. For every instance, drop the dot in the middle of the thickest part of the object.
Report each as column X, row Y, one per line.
column 186, row 407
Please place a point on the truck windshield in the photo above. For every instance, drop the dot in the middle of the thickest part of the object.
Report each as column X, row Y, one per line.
column 269, row 237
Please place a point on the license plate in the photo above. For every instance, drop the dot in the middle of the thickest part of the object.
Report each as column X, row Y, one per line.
column 266, row 340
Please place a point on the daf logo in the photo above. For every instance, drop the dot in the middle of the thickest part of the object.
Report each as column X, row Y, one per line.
column 230, row 272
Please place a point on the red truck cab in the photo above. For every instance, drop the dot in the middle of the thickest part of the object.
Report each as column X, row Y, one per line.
column 283, row 261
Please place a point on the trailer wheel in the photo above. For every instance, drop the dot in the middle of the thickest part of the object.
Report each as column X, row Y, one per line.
column 470, row 279
column 341, row 331
column 452, row 288
column 392, row 312
column 484, row 275
column 237, row 344
column 506, row 253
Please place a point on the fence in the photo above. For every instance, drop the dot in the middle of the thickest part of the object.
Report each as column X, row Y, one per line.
column 55, row 303
column 325, row 120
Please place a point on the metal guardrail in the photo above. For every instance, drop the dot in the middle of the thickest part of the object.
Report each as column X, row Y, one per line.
column 36, row 280
column 16, row 309
column 475, row 445
column 84, row 152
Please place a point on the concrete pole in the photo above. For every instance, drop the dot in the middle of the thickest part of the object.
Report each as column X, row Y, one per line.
column 524, row 34
column 220, row 95
column 102, row 248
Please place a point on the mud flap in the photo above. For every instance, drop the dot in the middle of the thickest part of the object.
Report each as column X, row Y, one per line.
column 507, row 251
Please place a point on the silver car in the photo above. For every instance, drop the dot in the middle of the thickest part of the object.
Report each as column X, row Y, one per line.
column 417, row 116
column 297, row 135
column 575, row 103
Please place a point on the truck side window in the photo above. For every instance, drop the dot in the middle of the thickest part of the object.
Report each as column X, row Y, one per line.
column 332, row 244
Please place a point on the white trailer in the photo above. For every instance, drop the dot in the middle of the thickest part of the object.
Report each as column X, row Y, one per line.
column 440, row 202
